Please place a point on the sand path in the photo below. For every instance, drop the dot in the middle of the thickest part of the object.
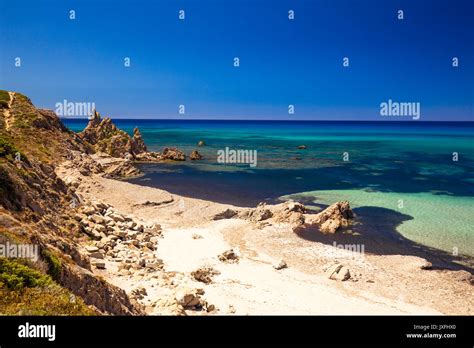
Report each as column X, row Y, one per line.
column 6, row 113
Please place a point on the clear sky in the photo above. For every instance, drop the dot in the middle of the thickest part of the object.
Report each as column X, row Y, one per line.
column 282, row 61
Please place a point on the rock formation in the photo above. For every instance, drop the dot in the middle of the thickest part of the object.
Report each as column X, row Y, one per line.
column 138, row 145
column 331, row 219
column 104, row 135
column 174, row 154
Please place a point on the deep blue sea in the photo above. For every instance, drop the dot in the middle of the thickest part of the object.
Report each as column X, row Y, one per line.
column 402, row 171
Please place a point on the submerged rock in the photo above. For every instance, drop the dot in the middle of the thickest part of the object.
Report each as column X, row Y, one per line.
column 195, row 156
column 174, row 154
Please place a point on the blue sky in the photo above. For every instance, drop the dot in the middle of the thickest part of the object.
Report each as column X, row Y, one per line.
column 282, row 62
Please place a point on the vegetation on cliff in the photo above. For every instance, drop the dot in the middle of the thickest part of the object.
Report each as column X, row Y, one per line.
column 37, row 208
column 26, row 291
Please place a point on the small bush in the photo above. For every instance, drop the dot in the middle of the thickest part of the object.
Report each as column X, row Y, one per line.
column 4, row 98
column 7, row 148
column 15, row 275
column 54, row 264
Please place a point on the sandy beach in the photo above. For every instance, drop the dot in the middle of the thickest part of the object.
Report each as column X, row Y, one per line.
column 191, row 239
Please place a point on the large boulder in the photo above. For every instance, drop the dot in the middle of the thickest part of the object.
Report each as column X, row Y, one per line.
column 290, row 212
column 331, row 219
column 174, row 154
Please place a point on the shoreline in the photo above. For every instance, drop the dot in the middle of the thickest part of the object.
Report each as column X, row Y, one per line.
column 389, row 235
column 381, row 284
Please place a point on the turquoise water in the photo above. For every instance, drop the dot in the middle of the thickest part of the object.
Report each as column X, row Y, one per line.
column 389, row 164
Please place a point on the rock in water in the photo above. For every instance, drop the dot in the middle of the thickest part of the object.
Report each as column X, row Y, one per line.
column 201, row 143
column 138, row 145
column 195, row 156
column 172, row 153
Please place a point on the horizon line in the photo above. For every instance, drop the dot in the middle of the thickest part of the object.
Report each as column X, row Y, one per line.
column 266, row 120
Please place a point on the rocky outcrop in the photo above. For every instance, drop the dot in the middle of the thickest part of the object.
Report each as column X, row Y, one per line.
column 195, row 155
column 260, row 213
column 104, row 135
column 289, row 212
column 100, row 164
column 331, row 219
column 174, row 154
column 226, row 214
column 106, row 297
column 138, row 145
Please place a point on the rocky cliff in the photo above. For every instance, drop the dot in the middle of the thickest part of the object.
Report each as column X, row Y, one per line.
column 104, row 136
column 37, row 208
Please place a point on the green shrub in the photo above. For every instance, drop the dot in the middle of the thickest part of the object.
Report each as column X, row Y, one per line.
column 4, row 98
column 7, row 148
column 15, row 275
column 54, row 264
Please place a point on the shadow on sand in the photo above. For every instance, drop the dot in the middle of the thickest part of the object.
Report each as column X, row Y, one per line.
column 375, row 228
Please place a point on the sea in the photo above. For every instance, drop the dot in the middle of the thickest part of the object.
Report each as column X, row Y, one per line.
column 417, row 177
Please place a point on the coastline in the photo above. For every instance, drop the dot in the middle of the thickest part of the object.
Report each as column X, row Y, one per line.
column 381, row 284
column 128, row 249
